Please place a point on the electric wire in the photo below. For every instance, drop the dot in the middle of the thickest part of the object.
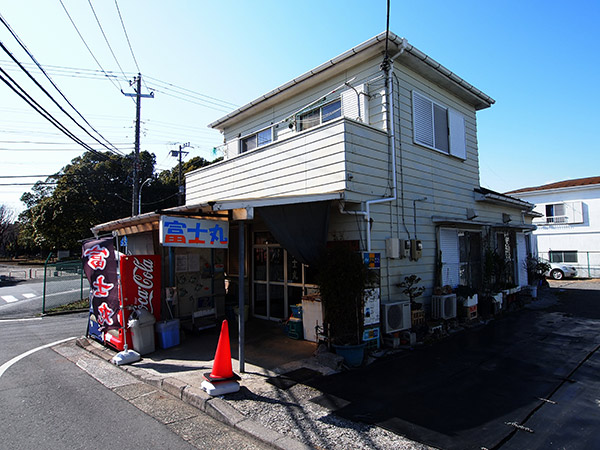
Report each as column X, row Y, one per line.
column 191, row 101
column 43, row 112
column 24, row 47
column 168, row 85
column 106, row 38
column 88, row 47
column 32, row 78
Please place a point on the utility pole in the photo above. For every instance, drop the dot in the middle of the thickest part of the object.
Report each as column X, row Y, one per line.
column 178, row 153
column 136, row 159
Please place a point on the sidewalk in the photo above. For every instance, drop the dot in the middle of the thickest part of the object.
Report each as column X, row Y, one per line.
column 270, row 407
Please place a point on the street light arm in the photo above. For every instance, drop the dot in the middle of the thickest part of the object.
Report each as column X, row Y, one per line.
column 140, row 195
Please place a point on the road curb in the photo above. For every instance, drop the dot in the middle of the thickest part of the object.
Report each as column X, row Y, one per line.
column 216, row 407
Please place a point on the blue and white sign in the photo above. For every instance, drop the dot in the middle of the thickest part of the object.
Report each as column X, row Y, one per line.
column 199, row 233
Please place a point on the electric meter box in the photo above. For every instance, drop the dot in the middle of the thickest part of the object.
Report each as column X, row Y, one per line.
column 416, row 249
column 392, row 248
column 405, row 248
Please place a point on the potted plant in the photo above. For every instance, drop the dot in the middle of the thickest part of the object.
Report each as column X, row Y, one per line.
column 342, row 278
column 536, row 268
column 412, row 290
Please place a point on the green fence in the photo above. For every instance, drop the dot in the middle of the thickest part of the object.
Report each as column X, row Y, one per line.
column 63, row 284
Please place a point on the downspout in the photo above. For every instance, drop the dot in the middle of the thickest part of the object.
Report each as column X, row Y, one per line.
column 387, row 67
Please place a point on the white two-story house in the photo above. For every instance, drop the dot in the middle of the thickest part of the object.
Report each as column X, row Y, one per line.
column 377, row 146
column 568, row 229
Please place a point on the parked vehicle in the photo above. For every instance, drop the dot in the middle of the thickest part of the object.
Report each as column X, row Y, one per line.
column 558, row 271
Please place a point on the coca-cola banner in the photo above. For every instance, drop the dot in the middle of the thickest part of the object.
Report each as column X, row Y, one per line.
column 140, row 282
column 100, row 266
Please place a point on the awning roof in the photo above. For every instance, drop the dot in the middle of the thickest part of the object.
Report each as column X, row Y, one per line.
column 241, row 209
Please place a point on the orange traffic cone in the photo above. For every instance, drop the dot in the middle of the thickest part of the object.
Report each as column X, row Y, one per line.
column 222, row 370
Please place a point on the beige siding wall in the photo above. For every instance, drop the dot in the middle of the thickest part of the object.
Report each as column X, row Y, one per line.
column 354, row 158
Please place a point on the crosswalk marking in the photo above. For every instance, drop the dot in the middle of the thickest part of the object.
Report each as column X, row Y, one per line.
column 29, row 295
column 9, row 298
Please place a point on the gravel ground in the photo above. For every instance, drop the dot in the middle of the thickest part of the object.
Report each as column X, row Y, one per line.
column 291, row 412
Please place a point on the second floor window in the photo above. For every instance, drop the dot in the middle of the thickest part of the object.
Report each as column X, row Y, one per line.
column 320, row 115
column 256, row 140
column 438, row 127
column 556, row 213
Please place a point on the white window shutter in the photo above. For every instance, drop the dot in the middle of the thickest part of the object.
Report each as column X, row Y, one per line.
column 458, row 142
column 450, row 257
column 422, row 120
column 574, row 211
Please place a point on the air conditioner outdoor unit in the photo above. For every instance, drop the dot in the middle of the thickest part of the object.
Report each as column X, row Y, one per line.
column 396, row 316
column 443, row 306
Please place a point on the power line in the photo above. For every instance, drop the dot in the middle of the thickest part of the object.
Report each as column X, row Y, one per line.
column 106, row 39
column 87, row 46
column 175, row 87
column 128, row 41
column 37, row 107
column 53, row 84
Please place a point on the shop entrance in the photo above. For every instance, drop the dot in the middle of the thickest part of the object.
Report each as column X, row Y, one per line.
column 278, row 279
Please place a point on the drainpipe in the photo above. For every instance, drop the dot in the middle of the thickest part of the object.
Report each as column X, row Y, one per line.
column 387, row 66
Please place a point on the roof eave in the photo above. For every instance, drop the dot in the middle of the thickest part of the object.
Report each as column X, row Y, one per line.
column 421, row 62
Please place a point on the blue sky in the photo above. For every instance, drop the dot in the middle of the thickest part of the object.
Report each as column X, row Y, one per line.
column 537, row 59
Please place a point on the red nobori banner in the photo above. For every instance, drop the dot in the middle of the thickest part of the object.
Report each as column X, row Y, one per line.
column 100, row 266
column 140, row 282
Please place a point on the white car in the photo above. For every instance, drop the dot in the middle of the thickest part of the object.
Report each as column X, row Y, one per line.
column 558, row 271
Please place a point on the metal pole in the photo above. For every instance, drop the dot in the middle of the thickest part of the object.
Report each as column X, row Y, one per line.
column 136, row 159
column 180, row 187
column 140, row 196
column 241, row 301
column 44, row 293
column 136, row 162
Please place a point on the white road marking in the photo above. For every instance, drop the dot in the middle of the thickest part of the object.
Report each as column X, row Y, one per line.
column 9, row 298
column 29, row 295
column 4, row 367
column 20, row 320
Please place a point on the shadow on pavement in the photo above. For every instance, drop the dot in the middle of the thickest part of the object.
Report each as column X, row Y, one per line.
column 465, row 392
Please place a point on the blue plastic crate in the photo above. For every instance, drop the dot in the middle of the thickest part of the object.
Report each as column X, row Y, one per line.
column 296, row 311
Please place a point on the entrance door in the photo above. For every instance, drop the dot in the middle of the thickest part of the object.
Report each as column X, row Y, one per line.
column 278, row 280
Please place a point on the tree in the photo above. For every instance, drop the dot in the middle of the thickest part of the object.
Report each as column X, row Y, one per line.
column 95, row 188
column 7, row 228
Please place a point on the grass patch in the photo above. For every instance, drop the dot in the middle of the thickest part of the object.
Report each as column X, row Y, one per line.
column 81, row 305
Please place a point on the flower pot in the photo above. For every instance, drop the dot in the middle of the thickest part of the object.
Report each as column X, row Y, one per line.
column 533, row 291
column 353, row 354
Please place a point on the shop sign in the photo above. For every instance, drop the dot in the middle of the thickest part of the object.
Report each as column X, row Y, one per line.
column 100, row 267
column 372, row 260
column 200, row 233
column 140, row 282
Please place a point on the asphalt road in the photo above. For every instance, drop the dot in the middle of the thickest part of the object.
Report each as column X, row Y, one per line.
column 20, row 299
column 61, row 397
column 528, row 380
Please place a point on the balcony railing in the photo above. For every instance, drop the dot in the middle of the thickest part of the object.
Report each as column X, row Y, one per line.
column 342, row 155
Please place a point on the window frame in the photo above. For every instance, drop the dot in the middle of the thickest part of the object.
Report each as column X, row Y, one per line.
column 553, row 253
column 244, row 140
column 427, row 130
column 309, row 115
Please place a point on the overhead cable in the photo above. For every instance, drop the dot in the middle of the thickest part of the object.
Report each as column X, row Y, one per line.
column 17, row 89
column 106, row 38
column 24, row 47
column 87, row 46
